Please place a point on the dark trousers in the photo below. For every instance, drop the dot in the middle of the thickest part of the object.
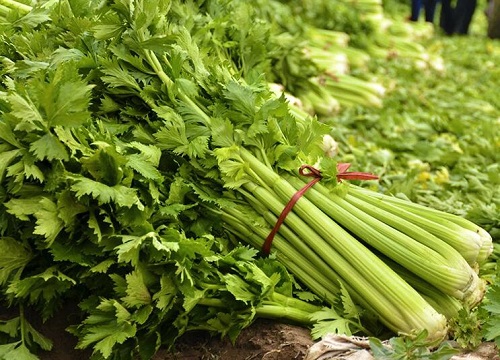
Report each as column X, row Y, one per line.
column 429, row 7
column 446, row 17
column 456, row 20
column 463, row 15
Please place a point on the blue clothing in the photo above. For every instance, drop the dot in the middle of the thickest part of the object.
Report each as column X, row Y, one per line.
column 429, row 7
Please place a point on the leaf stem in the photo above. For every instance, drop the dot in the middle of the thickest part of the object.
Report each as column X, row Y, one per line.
column 169, row 83
column 22, row 320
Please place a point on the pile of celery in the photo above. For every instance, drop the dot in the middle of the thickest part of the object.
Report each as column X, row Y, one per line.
column 240, row 149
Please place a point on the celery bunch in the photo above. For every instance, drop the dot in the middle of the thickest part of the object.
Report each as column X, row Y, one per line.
column 395, row 262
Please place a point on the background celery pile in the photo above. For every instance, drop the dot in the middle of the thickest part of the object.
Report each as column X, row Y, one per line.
column 119, row 212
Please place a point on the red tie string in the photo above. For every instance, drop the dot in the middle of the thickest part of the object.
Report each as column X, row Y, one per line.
column 310, row 171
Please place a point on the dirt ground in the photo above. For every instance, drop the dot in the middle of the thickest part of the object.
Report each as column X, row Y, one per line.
column 263, row 340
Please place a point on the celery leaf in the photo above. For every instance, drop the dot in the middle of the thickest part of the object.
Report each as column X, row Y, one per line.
column 14, row 256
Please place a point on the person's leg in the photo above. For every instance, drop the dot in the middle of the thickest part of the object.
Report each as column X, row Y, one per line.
column 464, row 12
column 446, row 17
column 430, row 9
column 415, row 9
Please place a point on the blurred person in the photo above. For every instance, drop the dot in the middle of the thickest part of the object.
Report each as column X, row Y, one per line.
column 462, row 15
column 446, row 17
column 456, row 20
column 429, row 8
column 493, row 15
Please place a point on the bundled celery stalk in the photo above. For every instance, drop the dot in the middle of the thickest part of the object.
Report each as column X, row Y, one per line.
column 403, row 241
column 474, row 243
column 350, row 91
column 341, row 257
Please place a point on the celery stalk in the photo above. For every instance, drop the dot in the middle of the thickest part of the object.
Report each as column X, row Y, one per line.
column 443, row 303
column 24, row 9
column 461, row 231
column 399, row 306
column 434, row 261
column 290, row 247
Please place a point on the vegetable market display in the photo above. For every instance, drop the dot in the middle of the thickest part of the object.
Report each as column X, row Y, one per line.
column 148, row 148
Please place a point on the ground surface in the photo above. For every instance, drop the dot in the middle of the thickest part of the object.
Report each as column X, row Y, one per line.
column 263, row 340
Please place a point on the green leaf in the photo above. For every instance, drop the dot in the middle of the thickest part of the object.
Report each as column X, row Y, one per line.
column 30, row 169
column 242, row 98
column 198, row 147
column 121, row 313
column 103, row 266
column 104, row 194
column 6, row 158
column 239, row 288
column 8, row 135
column 106, row 336
column 48, row 223
column 20, row 352
column 93, row 224
column 141, row 315
column 164, row 298
column 130, row 249
column 172, row 136
column 161, row 244
column 11, row 327
column 46, row 285
column 26, row 111
column 107, row 31
column 32, row 19
column 350, row 309
column 174, row 210
column 137, row 291
column 222, row 132
column 6, row 349
column 14, row 256
column 68, row 208
column 21, row 208
column 44, row 342
column 380, row 351
column 143, row 167
column 105, row 165
column 49, row 147
column 329, row 321
column 492, row 306
column 71, row 103
column 71, row 251
column 149, row 345
column 117, row 76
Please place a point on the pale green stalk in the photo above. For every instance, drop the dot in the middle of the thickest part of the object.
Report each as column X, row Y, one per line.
column 293, row 251
column 11, row 4
column 463, row 233
column 439, row 264
column 443, row 303
column 4, row 11
column 465, row 241
column 409, row 245
column 310, row 265
column 273, row 310
column 399, row 306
